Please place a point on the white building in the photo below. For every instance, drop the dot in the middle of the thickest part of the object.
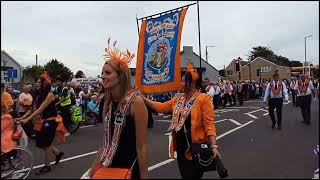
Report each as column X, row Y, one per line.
column 8, row 63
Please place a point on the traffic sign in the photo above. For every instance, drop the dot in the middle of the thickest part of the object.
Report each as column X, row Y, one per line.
column 12, row 73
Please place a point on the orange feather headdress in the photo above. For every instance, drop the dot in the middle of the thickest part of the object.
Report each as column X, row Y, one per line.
column 46, row 77
column 194, row 73
column 114, row 54
column 6, row 99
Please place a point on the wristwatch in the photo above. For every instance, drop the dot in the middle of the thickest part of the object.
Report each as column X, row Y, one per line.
column 214, row 146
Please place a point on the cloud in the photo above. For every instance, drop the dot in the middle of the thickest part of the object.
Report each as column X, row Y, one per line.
column 76, row 32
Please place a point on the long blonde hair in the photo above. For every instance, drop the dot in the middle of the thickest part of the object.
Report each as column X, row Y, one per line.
column 125, row 82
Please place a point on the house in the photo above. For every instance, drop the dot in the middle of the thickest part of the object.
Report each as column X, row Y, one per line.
column 208, row 71
column 249, row 70
column 10, row 64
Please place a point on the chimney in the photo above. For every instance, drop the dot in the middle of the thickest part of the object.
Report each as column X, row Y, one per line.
column 188, row 50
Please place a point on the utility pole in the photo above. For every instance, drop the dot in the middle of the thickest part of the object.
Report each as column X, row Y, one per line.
column 199, row 38
column 305, row 51
column 36, row 59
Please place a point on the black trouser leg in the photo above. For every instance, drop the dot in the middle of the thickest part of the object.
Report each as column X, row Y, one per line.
column 271, row 111
column 307, row 108
column 240, row 98
column 234, row 99
column 187, row 168
column 293, row 93
column 216, row 101
column 230, row 99
column 302, row 100
column 279, row 112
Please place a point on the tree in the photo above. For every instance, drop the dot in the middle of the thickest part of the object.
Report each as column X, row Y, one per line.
column 31, row 74
column 57, row 70
column 79, row 74
column 295, row 63
column 222, row 73
column 263, row 52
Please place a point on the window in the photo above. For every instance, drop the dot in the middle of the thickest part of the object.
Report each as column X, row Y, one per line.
column 4, row 63
column 265, row 68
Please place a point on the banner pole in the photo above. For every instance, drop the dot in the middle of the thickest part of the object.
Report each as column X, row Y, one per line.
column 166, row 11
column 137, row 24
column 199, row 38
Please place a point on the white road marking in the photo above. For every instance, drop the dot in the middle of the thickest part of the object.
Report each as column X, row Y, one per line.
column 160, row 164
column 86, row 126
column 62, row 160
column 246, row 107
column 266, row 114
column 255, row 110
column 231, row 120
column 287, row 102
column 255, row 117
column 218, row 137
column 164, row 120
column 232, row 130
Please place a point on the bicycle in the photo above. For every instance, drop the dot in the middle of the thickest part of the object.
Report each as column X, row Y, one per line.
column 17, row 164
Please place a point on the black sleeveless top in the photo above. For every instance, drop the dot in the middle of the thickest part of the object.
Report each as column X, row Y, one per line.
column 181, row 140
column 126, row 152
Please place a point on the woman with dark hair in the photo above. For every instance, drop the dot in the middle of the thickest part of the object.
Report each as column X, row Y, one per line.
column 47, row 123
column 192, row 122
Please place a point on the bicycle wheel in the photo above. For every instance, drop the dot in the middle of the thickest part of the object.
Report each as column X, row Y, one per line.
column 22, row 164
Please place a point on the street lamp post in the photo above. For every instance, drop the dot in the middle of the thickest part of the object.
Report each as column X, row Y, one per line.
column 207, row 52
column 305, row 51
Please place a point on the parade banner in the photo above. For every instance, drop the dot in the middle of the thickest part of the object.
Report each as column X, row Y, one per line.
column 158, row 61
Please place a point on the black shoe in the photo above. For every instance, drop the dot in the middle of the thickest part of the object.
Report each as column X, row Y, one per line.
column 279, row 127
column 43, row 170
column 272, row 126
column 58, row 157
column 308, row 123
column 305, row 122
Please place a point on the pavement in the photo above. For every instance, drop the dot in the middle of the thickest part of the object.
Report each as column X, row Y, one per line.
column 248, row 146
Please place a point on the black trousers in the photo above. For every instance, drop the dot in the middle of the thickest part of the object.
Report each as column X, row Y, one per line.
column 294, row 96
column 216, row 101
column 227, row 97
column 66, row 116
column 187, row 168
column 275, row 103
column 233, row 96
column 240, row 98
column 305, row 103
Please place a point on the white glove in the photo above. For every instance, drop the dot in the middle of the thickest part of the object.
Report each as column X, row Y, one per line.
column 286, row 100
column 314, row 98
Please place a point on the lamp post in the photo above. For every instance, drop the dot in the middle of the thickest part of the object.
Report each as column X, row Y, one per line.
column 305, row 51
column 207, row 52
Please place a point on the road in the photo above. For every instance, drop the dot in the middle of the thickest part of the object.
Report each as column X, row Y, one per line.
column 248, row 145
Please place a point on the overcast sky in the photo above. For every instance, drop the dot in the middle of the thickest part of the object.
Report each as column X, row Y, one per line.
column 75, row 33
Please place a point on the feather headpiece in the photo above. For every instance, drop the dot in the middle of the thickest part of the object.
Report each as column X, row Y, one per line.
column 114, row 54
column 46, row 77
column 6, row 99
column 194, row 73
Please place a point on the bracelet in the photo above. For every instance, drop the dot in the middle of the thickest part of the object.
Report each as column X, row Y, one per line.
column 214, row 146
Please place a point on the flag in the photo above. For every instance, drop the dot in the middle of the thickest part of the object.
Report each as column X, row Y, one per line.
column 158, row 60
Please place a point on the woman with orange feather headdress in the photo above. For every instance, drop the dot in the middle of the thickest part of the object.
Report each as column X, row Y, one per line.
column 123, row 111
column 192, row 122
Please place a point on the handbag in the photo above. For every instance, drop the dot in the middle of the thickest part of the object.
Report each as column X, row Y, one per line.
column 202, row 157
column 38, row 124
column 101, row 172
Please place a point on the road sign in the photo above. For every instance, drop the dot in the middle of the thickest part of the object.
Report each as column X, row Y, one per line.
column 12, row 73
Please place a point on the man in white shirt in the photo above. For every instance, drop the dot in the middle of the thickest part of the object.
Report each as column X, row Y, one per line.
column 293, row 93
column 275, row 92
column 227, row 93
column 304, row 88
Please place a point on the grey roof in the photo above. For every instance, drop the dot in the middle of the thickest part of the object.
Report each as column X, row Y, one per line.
column 243, row 63
column 202, row 60
column 2, row 51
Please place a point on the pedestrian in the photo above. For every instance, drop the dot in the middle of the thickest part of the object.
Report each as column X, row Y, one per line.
column 64, row 104
column 227, row 94
column 125, row 120
column 303, row 89
column 292, row 90
column 192, row 122
column 92, row 109
column 275, row 92
column 47, row 123
column 25, row 104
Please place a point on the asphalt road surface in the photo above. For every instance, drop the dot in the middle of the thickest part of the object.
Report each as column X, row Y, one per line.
column 248, row 146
